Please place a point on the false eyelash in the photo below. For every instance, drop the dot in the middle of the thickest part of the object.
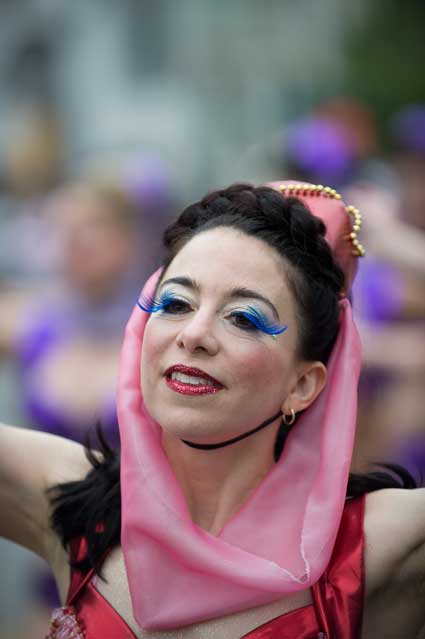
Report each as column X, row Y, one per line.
column 153, row 304
column 263, row 323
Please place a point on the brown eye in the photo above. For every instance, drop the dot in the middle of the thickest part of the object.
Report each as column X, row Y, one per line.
column 241, row 320
column 176, row 307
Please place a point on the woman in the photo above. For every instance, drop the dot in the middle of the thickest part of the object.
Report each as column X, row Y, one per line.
column 70, row 337
column 228, row 530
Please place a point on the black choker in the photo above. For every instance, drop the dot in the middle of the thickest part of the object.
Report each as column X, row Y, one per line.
column 235, row 439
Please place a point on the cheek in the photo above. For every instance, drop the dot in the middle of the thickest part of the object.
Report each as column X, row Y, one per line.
column 151, row 342
column 260, row 366
column 153, row 345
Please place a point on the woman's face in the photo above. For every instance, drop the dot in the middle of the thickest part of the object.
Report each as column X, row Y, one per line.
column 219, row 303
column 96, row 250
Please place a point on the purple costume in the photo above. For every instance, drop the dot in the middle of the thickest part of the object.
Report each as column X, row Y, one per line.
column 56, row 322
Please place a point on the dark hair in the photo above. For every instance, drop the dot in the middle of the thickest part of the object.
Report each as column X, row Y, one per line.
column 92, row 507
column 285, row 224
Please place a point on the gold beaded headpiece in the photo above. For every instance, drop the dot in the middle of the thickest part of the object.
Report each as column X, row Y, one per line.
column 342, row 222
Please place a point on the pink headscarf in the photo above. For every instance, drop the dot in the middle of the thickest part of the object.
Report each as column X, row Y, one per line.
column 282, row 538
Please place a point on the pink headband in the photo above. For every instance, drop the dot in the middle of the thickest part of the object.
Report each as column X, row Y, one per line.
column 342, row 222
column 180, row 574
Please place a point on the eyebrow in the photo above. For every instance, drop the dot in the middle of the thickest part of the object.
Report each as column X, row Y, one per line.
column 244, row 292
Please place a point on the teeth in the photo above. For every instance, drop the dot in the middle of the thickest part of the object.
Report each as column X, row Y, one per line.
column 189, row 379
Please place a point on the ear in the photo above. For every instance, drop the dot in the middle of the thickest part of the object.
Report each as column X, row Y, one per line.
column 311, row 379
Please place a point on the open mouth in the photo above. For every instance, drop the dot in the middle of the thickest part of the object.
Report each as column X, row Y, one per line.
column 191, row 381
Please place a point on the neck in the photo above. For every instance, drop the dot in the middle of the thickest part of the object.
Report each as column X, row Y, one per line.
column 217, row 482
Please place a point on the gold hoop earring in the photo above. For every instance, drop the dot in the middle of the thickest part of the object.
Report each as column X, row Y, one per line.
column 288, row 421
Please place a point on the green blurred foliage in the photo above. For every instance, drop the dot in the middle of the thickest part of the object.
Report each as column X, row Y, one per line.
column 386, row 56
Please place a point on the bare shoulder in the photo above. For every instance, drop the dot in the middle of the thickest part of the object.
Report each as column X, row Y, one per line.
column 30, row 463
column 395, row 537
column 394, row 564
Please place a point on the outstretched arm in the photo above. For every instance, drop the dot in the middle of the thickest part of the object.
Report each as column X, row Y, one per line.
column 31, row 462
column 395, row 563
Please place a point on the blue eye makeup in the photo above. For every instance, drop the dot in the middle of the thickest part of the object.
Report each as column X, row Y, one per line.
column 252, row 319
column 167, row 301
column 247, row 320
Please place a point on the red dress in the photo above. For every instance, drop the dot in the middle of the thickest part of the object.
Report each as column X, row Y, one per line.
column 336, row 611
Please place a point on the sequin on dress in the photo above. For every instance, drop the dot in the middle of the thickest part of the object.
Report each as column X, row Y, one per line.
column 64, row 624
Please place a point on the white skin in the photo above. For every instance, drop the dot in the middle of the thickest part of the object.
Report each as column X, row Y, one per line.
column 260, row 376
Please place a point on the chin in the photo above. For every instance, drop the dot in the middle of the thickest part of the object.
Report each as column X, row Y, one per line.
column 196, row 423
column 185, row 430
column 189, row 427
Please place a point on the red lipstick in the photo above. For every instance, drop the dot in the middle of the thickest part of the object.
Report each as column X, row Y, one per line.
column 191, row 381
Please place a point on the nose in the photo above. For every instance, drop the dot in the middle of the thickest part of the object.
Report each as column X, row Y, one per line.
column 198, row 335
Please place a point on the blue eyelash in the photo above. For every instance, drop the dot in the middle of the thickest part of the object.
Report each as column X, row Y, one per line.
column 151, row 304
column 261, row 322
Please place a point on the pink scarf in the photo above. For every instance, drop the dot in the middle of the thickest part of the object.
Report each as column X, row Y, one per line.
column 281, row 539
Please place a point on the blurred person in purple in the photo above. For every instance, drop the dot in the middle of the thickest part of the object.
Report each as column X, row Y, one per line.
column 339, row 143
column 68, row 341
column 390, row 302
column 408, row 132
column 336, row 143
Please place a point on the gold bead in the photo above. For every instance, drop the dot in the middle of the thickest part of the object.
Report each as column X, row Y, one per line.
column 354, row 213
column 337, row 196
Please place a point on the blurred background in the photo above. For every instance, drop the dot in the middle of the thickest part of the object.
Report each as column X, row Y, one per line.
column 114, row 115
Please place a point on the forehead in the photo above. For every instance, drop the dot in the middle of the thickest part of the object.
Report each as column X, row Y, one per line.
column 226, row 258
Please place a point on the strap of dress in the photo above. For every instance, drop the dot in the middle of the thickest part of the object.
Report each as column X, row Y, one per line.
column 339, row 594
column 78, row 551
